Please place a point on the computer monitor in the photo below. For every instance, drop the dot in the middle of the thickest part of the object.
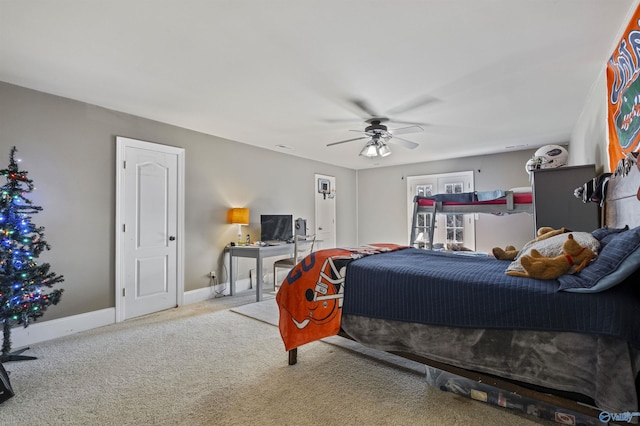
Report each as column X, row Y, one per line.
column 276, row 227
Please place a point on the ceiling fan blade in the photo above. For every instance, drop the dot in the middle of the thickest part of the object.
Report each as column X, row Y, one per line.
column 405, row 143
column 348, row 140
column 414, row 123
column 406, row 130
column 342, row 120
column 364, row 107
column 413, row 104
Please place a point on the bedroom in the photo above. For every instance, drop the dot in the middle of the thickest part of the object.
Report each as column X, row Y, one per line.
column 68, row 148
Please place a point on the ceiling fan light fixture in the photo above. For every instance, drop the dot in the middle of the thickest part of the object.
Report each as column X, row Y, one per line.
column 384, row 150
column 370, row 150
column 380, row 134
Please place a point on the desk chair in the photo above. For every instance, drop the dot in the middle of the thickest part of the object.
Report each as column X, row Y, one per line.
column 303, row 245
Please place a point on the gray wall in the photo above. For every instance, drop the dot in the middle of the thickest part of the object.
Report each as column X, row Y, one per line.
column 68, row 149
column 589, row 137
column 383, row 207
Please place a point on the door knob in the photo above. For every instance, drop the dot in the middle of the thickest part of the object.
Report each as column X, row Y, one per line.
column 172, row 238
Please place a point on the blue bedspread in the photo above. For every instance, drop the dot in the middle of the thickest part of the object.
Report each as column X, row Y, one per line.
column 460, row 291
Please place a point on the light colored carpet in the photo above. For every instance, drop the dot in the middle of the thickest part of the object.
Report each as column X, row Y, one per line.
column 267, row 311
column 204, row 364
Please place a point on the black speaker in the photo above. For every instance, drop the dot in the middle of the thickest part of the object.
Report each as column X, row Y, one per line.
column 301, row 227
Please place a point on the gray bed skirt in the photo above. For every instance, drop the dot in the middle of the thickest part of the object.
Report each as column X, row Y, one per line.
column 600, row 367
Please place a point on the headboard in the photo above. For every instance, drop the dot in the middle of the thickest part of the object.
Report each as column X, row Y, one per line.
column 622, row 206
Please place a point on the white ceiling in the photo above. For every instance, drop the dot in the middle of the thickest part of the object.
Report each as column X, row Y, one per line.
column 505, row 74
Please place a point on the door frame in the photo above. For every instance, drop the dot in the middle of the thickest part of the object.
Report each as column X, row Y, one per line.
column 122, row 143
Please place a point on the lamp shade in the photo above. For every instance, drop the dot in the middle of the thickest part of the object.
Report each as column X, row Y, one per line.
column 369, row 150
column 238, row 216
column 384, row 150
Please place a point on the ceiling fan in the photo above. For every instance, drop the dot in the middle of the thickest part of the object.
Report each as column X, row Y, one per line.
column 379, row 135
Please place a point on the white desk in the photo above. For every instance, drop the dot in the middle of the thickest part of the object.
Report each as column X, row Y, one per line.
column 258, row 253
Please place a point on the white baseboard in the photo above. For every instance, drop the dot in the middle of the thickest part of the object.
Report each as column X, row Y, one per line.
column 47, row 330
column 205, row 293
column 53, row 329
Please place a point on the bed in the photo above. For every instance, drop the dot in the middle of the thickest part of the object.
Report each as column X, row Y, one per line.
column 574, row 341
column 494, row 202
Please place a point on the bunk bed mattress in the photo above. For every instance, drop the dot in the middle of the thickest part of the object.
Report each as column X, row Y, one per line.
column 518, row 198
column 456, row 290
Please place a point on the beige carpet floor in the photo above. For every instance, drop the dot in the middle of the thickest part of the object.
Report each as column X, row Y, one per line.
column 205, row 364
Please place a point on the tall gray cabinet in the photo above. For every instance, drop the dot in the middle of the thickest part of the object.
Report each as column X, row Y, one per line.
column 554, row 202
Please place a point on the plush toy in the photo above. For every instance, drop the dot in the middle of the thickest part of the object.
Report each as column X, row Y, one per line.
column 574, row 259
column 510, row 252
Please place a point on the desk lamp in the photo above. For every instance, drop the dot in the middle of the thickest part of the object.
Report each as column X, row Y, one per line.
column 238, row 216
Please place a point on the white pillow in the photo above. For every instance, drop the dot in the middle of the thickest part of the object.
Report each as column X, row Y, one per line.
column 552, row 247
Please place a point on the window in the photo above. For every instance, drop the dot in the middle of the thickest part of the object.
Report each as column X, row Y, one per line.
column 454, row 188
column 450, row 229
column 424, row 190
column 455, row 228
column 454, row 222
column 424, row 219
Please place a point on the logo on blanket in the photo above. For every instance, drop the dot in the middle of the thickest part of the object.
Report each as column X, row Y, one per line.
column 326, row 297
column 311, row 296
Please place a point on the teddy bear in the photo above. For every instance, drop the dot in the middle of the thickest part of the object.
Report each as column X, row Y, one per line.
column 574, row 259
column 510, row 252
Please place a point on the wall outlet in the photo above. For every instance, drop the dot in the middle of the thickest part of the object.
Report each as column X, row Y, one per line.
column 212, row 274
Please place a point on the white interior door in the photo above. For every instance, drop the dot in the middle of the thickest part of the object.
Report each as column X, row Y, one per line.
column 149, row 221
column 325, row 226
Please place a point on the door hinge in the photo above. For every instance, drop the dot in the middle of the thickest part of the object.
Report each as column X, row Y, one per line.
column 124, row 227
column 124, row 164
column 124, row 292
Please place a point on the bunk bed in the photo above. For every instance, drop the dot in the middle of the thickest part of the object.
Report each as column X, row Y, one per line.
column 505, row 202
column 574, row 343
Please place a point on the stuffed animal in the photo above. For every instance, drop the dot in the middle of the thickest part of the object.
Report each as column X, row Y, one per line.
column 510, row 252
column 574, row 259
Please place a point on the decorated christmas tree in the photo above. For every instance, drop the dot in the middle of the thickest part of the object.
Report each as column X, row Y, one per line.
column 23, row 282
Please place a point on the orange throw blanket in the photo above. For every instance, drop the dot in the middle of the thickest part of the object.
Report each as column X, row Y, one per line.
column 310, row 297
